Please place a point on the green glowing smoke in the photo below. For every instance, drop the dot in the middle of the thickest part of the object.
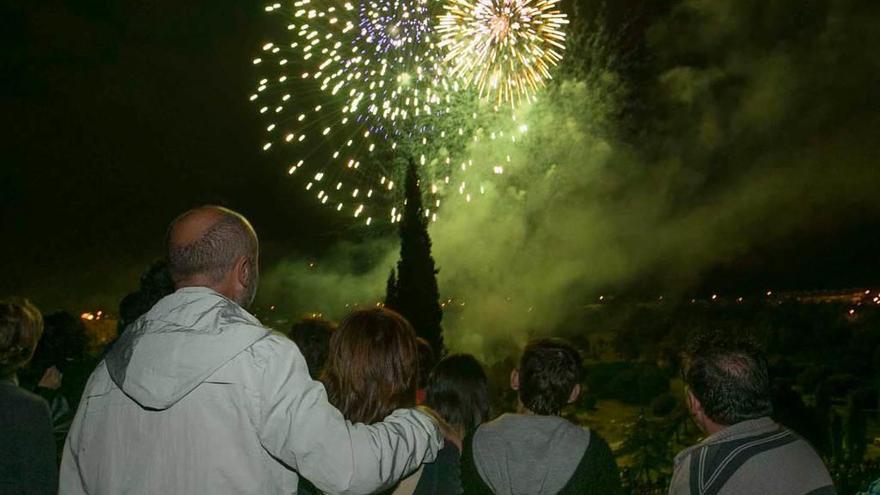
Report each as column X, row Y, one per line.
column 735, row 124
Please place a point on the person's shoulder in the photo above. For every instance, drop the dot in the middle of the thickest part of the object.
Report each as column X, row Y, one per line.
column 684, row 455
column 274, row 347
column 802, row 448
column 597, row 441
column 21, row 399
column 449, row 453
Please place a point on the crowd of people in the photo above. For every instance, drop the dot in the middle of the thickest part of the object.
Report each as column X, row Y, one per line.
column 197, row 396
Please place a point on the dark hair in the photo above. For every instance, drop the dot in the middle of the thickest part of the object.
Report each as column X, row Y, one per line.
column 373, row 366
column 155, row 284
column 730, row 380
column 426, row 361
column 459, row 391
column 64, row 338
column 215, row 252
column 549, row 369
column 312, row 336
column 21, row 326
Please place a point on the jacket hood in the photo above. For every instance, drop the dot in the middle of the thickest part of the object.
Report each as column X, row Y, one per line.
column 527, row 454
column 178, row 344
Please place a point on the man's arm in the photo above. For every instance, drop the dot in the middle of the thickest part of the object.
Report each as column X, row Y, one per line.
column 300, row 427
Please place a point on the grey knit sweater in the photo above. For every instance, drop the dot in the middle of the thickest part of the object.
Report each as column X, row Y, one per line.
column 753, row 457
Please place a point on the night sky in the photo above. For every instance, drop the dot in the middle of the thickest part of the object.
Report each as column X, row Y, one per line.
column 118, row 115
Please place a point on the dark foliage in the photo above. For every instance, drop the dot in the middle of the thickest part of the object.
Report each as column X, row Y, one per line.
column 633, row 383
column 414, row 293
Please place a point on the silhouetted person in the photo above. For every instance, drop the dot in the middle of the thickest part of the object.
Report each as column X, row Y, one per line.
column 155, row 284
column 59, row 369
column 537, row 452
column 458, row 390
column 27, row 449
column 426, row 364
column 729, row 397
column 312, row 336
column 198, row 397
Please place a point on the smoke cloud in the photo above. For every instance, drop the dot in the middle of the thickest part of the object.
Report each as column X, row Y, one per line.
column 735, row 124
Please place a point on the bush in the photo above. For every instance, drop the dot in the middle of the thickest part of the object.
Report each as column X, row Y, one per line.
column 587, row 402
column 633, row 383
column 663, row 405
column 809, row 378
column 837, row 386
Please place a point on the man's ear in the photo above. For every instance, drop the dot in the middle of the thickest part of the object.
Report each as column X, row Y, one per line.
column 693, row 404
column 575, row 393
column 514, row 379
column 242, row 270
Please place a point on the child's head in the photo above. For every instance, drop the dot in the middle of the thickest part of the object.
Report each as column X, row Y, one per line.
column 459, row 391
column 548, row 376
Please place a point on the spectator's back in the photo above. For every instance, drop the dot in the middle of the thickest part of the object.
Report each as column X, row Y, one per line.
column 755, row 456
column 729, row 397
column 27, row 448
column 537, row 452
column 197, row 397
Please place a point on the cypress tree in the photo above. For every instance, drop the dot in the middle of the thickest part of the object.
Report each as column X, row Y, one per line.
column 391, row 290
column 413, row 292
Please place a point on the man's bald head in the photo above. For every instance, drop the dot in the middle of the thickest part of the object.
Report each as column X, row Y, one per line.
column 204, row 244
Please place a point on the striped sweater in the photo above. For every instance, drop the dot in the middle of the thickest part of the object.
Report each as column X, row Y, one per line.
column 753, row 457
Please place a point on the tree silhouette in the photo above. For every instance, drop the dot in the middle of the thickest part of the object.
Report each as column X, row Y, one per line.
column 391, row 290
column 413, row 291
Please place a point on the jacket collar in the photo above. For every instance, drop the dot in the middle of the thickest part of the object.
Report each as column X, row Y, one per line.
column 742, row 429
column 746, row 428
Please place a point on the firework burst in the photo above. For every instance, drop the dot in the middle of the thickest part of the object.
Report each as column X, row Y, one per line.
column 352, row 88
column 354, row 91
column 504, row 47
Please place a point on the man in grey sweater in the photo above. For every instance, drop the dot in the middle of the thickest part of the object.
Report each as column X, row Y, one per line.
column 745, row 452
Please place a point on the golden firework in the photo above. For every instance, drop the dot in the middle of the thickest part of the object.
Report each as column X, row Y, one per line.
column 504, row 47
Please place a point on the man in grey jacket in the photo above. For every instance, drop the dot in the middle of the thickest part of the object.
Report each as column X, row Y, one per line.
column 728, row 394
column 198, row 397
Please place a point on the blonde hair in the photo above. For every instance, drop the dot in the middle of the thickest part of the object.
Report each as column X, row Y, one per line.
column 21, row 326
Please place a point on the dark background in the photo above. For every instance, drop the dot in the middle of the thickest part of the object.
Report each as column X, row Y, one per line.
column 118, row 115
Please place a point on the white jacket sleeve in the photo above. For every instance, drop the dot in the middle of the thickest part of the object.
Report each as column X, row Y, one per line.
column 70, row 480
column 300, row 427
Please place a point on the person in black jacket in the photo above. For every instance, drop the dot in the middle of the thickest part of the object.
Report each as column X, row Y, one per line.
column 458, row 390
column 536, row 451
column 27, row 448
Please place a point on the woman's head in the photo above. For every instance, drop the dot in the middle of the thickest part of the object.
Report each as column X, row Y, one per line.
column 459, row 391
column 21, row 326
column 373, row 365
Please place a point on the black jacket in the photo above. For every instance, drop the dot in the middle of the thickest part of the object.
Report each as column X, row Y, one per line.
column 27, row 448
